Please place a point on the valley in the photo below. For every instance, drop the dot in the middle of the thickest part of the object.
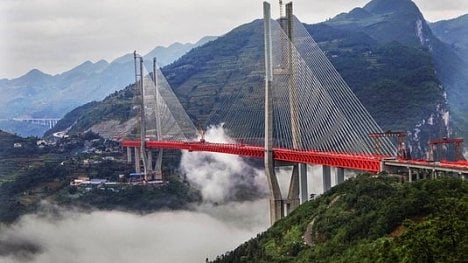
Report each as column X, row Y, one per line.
column 337, row 141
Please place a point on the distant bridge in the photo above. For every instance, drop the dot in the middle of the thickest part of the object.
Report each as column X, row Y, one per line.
column 47, row 122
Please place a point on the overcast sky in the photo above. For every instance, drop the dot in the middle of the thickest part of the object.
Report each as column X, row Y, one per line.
column 56, row 35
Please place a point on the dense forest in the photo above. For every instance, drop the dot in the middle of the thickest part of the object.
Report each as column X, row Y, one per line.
column 370, row 219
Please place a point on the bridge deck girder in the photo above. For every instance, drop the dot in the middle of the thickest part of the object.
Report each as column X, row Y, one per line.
column 368, row 163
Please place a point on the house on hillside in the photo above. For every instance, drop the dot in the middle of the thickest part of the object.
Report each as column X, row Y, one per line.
column 17, row 145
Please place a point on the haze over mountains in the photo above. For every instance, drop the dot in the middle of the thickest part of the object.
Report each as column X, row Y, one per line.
column 385, row 51
column 453, row 32
column 405, row 76
column 40, row 95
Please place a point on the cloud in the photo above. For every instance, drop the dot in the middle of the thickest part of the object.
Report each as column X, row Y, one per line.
column 439, row 10
column 222, row 177
column 207, row 230
column 184, row 236
column 53, row 37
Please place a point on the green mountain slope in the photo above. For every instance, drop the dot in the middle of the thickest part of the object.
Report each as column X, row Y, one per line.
column 454, row 69
column 397, row 77
column 210, row 76
column 369, row 220
column 453, row 32
column 115, row 107
column 32, row 174
column 386, row 21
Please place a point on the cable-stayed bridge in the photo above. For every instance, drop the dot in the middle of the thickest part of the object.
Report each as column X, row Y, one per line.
column 47, row 122
column 304, row 114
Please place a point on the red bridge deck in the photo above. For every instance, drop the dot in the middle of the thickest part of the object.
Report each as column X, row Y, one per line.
column 369, row 163
column 359, row 162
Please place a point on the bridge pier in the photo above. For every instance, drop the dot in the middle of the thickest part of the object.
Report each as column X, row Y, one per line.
column 129, row 155
column 326, row 176
column 297, row 190
column 303, row 191
column 137, row 160
column 149, row 164
column 276, row 200
column 410, row 175
column 158, row 166
column 339, row 175
column 293, row 200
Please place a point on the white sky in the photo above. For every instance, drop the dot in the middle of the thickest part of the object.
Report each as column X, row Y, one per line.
column 56, row 35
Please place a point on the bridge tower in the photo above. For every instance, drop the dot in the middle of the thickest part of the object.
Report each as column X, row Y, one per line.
column 142, row 156
column 298, row 183
column 276, row 200
column 157, row 168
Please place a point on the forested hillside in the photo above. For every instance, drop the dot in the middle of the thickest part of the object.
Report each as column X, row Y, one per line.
column 32, row 173
column 395, row 77
column 369, row 219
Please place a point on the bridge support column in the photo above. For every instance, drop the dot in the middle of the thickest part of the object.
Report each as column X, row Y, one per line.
column 158, row 166
column 410, row 175
column 276, row 210
column 326, row 175
column 149, row 164
column 293, row 200
column 339, row 175
column 137, row 160
column 303, row 191
column 129, row 155
column 276, row 202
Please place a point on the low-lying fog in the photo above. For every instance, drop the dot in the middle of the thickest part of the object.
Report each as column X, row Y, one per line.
column 208, row 230
column 181, row 236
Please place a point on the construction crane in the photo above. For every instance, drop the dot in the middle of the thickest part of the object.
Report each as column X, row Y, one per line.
column 436, row 147
column 401, row 137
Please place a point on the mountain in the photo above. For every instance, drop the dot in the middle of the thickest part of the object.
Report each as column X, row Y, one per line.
column 369, row 219
column 40, row 95
column 386, row 21
column 167, row 55
column 402, row 79
column 453, row 32
column 454, row 67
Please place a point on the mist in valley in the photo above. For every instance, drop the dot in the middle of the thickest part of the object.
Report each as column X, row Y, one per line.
column 235, row 209
column 112, row 236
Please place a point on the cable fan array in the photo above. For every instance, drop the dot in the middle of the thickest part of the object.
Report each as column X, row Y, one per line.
column 165, row 118
column 313, row 107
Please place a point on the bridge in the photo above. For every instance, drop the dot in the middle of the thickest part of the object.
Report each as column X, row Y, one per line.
column 304, row 114
column 47, row 122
